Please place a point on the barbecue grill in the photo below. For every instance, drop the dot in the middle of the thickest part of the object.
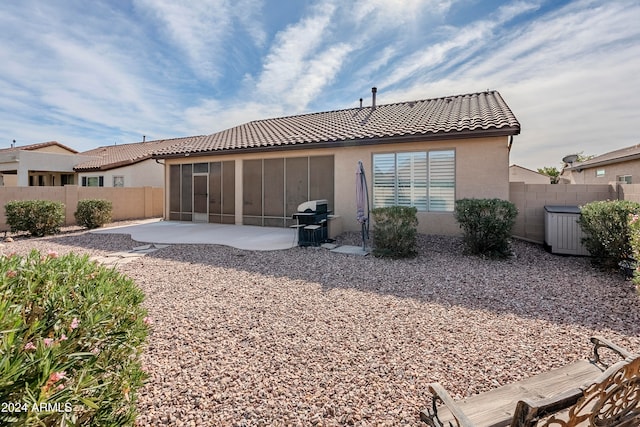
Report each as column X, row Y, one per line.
column 312, row 222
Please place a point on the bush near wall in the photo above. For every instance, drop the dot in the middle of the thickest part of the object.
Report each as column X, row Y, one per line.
column 486, row 225
column 606, row 225
column 70, row 340
column 93, row 213
column 395, row 231
column 38, row 217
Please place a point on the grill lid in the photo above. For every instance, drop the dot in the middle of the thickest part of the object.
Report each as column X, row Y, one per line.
column 319, row 206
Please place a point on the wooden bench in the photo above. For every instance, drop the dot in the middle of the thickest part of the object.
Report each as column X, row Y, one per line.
column 584, row 393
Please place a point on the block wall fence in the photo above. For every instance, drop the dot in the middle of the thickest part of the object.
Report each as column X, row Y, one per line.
column 128, row 202
column 530, row 199
column 148, row 202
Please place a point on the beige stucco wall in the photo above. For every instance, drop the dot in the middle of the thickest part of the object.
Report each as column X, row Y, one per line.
column 482, row 171
column 52, row 149
column 48, row 163
column 520, row 174
column 141, row 174
column 611, row 172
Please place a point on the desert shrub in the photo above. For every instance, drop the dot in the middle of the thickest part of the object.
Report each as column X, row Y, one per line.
column 486, row 225
column 634, row 241
column 93, row 213
column 606, row 226
column 394, row 231
column 38, row 217
column 71, row 334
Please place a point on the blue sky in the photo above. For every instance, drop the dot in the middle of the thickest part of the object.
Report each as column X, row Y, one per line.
column 102, row 72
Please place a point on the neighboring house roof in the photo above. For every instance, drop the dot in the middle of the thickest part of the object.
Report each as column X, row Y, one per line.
column 616, row 156
column 114, row 156
column 461, row 116
column 34, row 147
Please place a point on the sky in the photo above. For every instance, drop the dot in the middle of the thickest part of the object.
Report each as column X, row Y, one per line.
column 89, row 74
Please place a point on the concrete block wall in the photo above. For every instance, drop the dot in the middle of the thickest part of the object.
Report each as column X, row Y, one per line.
column 128, row 202
column 530, row 199
column 628, row 192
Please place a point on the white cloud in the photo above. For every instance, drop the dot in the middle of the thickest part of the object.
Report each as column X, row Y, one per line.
column 296, row 68
column 197, row 28
column 211, row 115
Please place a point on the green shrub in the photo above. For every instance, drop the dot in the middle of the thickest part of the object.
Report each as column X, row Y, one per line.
column 606, row 226
column 93, row 213
column 634, row 241
column 38, row 217
column 486, row 225
column 71, row 334
column 394, row 231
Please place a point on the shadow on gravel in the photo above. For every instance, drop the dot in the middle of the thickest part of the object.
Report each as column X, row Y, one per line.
column 534, row 284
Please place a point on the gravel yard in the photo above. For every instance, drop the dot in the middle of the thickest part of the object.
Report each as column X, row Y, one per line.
column 308, row 337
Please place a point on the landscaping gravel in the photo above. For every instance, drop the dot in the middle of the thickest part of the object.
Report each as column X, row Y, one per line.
column 305, row 337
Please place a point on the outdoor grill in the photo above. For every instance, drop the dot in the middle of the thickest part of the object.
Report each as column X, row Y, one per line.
column 312, row 222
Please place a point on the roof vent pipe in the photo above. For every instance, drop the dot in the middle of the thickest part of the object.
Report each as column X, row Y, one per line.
column 144, row 138
column 13, row 144
column 373, row 97
column 361, row 103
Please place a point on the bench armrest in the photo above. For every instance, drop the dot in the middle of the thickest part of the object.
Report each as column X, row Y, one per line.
column 600, row 342
column 440, row 394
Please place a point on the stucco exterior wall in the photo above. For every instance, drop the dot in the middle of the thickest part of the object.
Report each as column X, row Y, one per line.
column 49, row 163
column 520, row 174
column 611, row 172
column 482, row 171
column 142, row 174
column 52, row 149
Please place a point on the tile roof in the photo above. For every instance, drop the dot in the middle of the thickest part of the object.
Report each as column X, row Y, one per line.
column 470, row 115
column 37, row 146
column 616, row 156
column 113, row 156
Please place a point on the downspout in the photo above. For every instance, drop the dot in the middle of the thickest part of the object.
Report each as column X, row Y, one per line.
column 510, row 143
column 165, row 216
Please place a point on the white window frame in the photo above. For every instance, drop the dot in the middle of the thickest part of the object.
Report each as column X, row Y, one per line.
column 600, row 173
column 118, row 180
column 624, row 179
column 92, row 181
column 423, row 179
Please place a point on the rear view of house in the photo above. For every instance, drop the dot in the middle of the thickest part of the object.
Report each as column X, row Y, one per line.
column 424, row 153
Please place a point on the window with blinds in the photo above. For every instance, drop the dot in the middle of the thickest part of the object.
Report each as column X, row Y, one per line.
column 425, row 180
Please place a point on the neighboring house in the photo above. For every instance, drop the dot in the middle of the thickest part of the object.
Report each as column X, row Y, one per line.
column 43, row 164
column 619, row 166
column 519, row 174
column 126, row 165
column 424, row 153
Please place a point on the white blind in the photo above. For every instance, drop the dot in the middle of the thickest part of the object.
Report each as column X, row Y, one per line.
column 384, row 180
column 411, row 170
column 442, row 180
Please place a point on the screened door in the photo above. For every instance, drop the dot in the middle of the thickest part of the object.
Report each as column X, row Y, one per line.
column 200, row 198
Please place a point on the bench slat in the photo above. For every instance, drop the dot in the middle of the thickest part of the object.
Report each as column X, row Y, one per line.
column 495, row 408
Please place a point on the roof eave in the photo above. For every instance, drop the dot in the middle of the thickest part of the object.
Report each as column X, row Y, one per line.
column 440, row 136
column 110, row 166
column 590, row 165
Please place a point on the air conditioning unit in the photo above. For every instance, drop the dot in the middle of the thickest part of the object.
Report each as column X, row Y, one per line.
column 562, row 233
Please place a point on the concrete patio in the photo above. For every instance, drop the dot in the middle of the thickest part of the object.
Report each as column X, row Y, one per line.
column 245, row 237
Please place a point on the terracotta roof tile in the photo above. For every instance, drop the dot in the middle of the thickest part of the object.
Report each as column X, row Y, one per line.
column 474, row 114
column 113, row 156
